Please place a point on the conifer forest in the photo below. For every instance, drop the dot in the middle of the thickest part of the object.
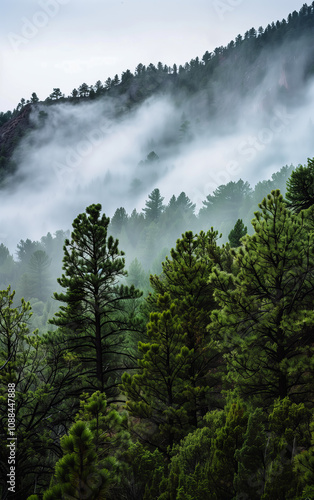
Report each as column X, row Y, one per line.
column 163, row 348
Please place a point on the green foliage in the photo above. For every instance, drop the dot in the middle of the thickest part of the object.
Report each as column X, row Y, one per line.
column 229, row 438
column 266, row 315
column 40, row 382
column 185, row 277
column 142, row 476
column 250, row 475
column 260, row 446
column 91, row 451
column 39, row 276
column 78, row 473
column 154, row 206
column 137, row 276
column 156, row 392
column 109, row 427
column 237, row 233
column 300, row 187
column 304, row 467
column 94, row 320
column 226, row 203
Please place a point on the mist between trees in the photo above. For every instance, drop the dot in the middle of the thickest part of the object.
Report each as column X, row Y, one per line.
column 145, row 236
column 175, row 359
column 200, row 386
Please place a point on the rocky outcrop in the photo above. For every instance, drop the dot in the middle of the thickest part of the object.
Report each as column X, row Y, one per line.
column 11, row 132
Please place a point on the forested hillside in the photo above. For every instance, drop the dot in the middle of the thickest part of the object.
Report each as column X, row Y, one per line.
column 202, row 388
column 214, row 83
column 164, row 350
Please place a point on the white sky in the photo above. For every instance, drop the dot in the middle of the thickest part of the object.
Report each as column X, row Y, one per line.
column 63, row 43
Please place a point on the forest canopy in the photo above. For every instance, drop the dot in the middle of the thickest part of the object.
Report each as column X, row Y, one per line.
column 201, row 386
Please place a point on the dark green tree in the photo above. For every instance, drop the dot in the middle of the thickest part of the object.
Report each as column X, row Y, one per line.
column 250, row 475
column 185, row 277
column 156, row 393
column 78, row 473
column 304, row 468
column 154, row 206
column 83, row 90
column 300, row 187
column 266, row 319
column 56, row 94
column 237, row 233
column 94, row 319
column 34, row 98
column 41, row 376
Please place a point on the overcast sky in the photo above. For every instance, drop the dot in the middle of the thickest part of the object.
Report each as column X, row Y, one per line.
column 63, row 43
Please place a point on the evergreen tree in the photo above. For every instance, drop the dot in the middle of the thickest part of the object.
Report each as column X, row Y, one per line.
column 185, row 277
column 141, row 476
column 118, row 220
column 78, row 474
column 288, row 426
column 300, row 187
column 137, row 275
column 83, row 90
column 94, row 320
column 7, row 267
column 34, row 98
column 41, row 378
column 39, row 276
column 228, row 439
column 266, row 320
column 154, row 206
column 237, row 233
column 304, row 468
column 156, row 392
column 250, row 475
column 56, row 94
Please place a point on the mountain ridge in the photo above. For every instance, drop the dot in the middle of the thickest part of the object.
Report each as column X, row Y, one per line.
column 212, row 84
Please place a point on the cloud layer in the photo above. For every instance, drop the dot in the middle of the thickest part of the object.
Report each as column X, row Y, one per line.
column 97, row 152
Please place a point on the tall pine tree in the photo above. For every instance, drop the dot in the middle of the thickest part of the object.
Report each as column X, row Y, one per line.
column 94, row 320
column 266, row 319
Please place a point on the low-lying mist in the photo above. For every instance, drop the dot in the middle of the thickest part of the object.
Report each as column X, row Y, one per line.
column 101, row 152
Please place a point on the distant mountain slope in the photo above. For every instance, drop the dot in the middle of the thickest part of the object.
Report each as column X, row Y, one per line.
column 10, row 134
column 214, row 85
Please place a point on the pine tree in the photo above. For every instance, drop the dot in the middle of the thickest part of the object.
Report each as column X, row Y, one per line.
column 154, row 206
column 300, row 187
column 41, row 378
column 94, row 320
column 249, row 480
column 304, row 468
column 266, row 320
column 90, row 465
column 40, row 282
column 78, row 473
column 156, row 392
column 228, row 439
column 185, row 277
column 237, row 233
